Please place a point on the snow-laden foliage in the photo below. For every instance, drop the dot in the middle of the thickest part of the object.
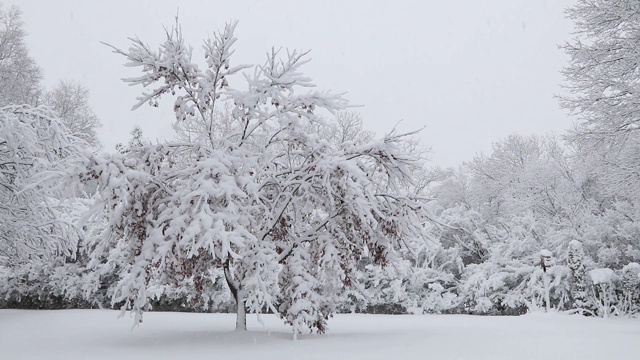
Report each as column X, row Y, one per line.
column 260, row 188
column 530, row 195
column 38, row 224
column 41, row 246
column 33, row 145
column 415, row 289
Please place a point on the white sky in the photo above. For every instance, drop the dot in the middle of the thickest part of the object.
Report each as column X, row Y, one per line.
column 471, row 72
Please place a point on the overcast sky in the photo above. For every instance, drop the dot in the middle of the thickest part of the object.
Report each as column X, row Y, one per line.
column 471, row 72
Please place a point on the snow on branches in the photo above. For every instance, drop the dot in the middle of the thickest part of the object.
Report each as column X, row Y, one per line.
column 34, row 146
column 602, row 74
column 263, row 190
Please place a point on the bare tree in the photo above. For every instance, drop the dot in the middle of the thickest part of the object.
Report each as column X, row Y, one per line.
column 70, row 101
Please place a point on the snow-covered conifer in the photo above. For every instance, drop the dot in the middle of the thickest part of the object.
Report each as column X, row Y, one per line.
column 580, row 289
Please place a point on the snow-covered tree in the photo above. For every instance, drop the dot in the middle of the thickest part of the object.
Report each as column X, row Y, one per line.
column 40, row 243
column 36, row 223
column 70, row 101
column 603, row 69
column 258, row 193
column 454, row 189
column 580, row 289
column 603, row 90
column 521, row 174
column 19, row 75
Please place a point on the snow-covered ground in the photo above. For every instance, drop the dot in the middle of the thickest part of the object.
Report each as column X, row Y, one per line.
column 98, row 334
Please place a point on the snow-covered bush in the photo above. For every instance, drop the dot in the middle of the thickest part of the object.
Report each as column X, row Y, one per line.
column 604, row 288
column 512, row 288
column 407, row 287
column 630, row 283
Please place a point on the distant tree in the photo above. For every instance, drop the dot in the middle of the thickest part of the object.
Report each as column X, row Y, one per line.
column 137, row 141
column 453, row 189
column 519, row 175
column 260, row 195
column 70, row 101
column 604, row 95
column 19, row 75
column 347, row 128
column 602, row 75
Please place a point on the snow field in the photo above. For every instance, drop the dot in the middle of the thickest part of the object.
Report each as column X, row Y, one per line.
column 98, row 334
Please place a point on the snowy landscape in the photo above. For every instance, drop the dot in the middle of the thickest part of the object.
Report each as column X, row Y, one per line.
column 273, row 222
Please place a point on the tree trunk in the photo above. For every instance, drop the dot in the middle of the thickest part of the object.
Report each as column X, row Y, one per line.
column 241, row 315
column 238, row 296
